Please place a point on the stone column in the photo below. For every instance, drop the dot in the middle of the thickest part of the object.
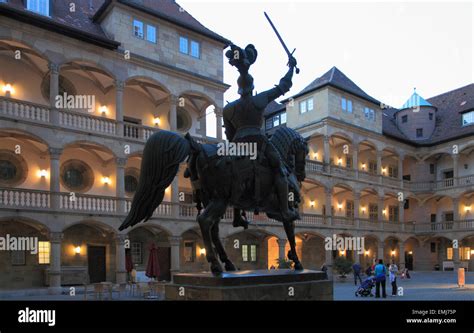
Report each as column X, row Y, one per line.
column 120, row 184
column 355, row 160
column 456, row 260
column 455, row 169
column 400, row 169
column 356, row 209
column 401, row 214
column 380, row 254
column 54, row 174
column 328, row 205
column 456, row 217
column 401, row 255
column 173, row 113
column 219, row 114
column 379, row 165
column 175, row 243
column 175, row 196
column 327, row 153
column 53, row 92
column 119, row 112
column 281, row 248
column 380, row 208
column 55, row 239
column 120, row 270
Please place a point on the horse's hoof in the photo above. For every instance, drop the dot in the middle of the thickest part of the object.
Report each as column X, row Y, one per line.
column 229, row 266
column 298, row 266
column 216, row 269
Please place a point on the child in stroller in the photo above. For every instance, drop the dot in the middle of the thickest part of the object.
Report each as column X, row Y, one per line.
column 365, row 289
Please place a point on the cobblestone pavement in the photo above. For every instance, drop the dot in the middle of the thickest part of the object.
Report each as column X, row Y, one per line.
column 423, row 286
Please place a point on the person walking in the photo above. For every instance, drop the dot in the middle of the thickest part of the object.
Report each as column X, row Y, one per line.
column 356, row 270
column 393, row 271
column 380, row 273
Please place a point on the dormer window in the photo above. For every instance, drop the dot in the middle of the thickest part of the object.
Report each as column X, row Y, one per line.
column 144, row 31
column 39, row 6
column 419, row 132
column 468, row 118
column 404, row 119
column 189, row 47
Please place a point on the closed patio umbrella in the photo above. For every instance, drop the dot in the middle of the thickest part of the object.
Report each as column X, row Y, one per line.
column 128, row 260
column 153, row 267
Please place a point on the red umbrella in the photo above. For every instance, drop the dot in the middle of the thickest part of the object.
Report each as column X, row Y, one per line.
column 128, row 260
column 153, row 267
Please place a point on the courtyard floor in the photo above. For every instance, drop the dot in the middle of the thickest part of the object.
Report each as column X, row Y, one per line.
column 423, row 286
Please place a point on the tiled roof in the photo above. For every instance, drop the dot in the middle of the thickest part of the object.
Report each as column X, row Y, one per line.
column 273, row 107
column 334, row 77
column 450, row 106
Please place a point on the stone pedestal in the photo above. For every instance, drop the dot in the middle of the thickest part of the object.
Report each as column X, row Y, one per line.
column 278, row 284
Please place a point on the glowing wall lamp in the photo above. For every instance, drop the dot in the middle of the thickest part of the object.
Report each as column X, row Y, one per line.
column 42, row 173
column 315, row 156
column 103, row 110
column 384, row 212
column 367, row 253
column 363, row 166
column 202, row 251
column 384, row 171
column 106, row 180
column 77, row 250
column 339, row 206
column 312, row 203
column 157, row 121
column 339, row 161
column 342, row 252
column 393, row 253
column 8, row 90
column 362, row 208
column 467, row 209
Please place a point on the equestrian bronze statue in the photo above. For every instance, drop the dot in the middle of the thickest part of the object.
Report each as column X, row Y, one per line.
column 268, row 184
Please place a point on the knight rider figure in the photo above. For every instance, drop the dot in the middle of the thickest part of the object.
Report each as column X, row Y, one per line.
column 243, row 120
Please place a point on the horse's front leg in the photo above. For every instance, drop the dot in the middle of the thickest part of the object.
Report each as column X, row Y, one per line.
column 206, row 220
column 229, row 266
column 290, row 234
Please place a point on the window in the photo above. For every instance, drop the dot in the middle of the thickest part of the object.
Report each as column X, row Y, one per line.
column 465, row 253
column 189, row 47
column 276, row 121
column 419, row 132
column 392, row 171
column 349, row 162
column 430, row 116
column 349, row 208
column 44, row 249
column 76, row 176
column 449, row 253
column 189, row 251
column 432, row 168
column 13, row 169
column 136, row 249
column 433, row 247
column 283, row 118
column 393, row 213
column 151, row 33
column 131, row 183
column 468, row 118
column 346, row 105
column 249, row 253
column 38, row 6
column 194, row 49
column 369, row 114
column 18, row 258
column 404, row 119
column 306, row 105
column 138, row 29
column 269, row 123
column 373, row 211
column 373, row 167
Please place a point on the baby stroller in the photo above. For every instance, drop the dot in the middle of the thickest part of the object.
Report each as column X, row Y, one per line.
column 365, row 289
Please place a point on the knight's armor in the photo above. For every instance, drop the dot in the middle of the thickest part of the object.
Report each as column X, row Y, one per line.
column 243, row 122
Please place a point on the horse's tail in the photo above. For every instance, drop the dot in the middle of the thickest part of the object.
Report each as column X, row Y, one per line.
column 163, row 153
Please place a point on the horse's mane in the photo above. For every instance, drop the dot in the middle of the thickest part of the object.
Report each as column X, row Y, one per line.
column 283, row 139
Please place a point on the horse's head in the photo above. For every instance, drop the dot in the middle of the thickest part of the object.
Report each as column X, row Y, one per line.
column 293, row 148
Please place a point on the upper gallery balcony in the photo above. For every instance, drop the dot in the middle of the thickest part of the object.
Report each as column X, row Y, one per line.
column 84, row 96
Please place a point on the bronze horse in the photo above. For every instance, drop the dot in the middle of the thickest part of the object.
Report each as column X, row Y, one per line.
column 218, row 182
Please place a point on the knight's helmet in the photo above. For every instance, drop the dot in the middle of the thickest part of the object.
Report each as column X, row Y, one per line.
column 245, row 83
column 242, row 59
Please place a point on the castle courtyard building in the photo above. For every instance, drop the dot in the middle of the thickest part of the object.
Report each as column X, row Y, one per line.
column 83, row 87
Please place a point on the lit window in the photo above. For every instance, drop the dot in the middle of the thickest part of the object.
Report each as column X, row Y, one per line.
column 449, row 253
column 183, row 45
column 303, row 107
column 44, row 251
column 253, row 253
column 151, row 33
column 38, row 6
column 369, row 114
column 245, row 253
column 283, row 118
column 136, row 250
column 276, row 121
column 194, row 49
column 468, row 118
column 138, row 29
column 310, row 104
